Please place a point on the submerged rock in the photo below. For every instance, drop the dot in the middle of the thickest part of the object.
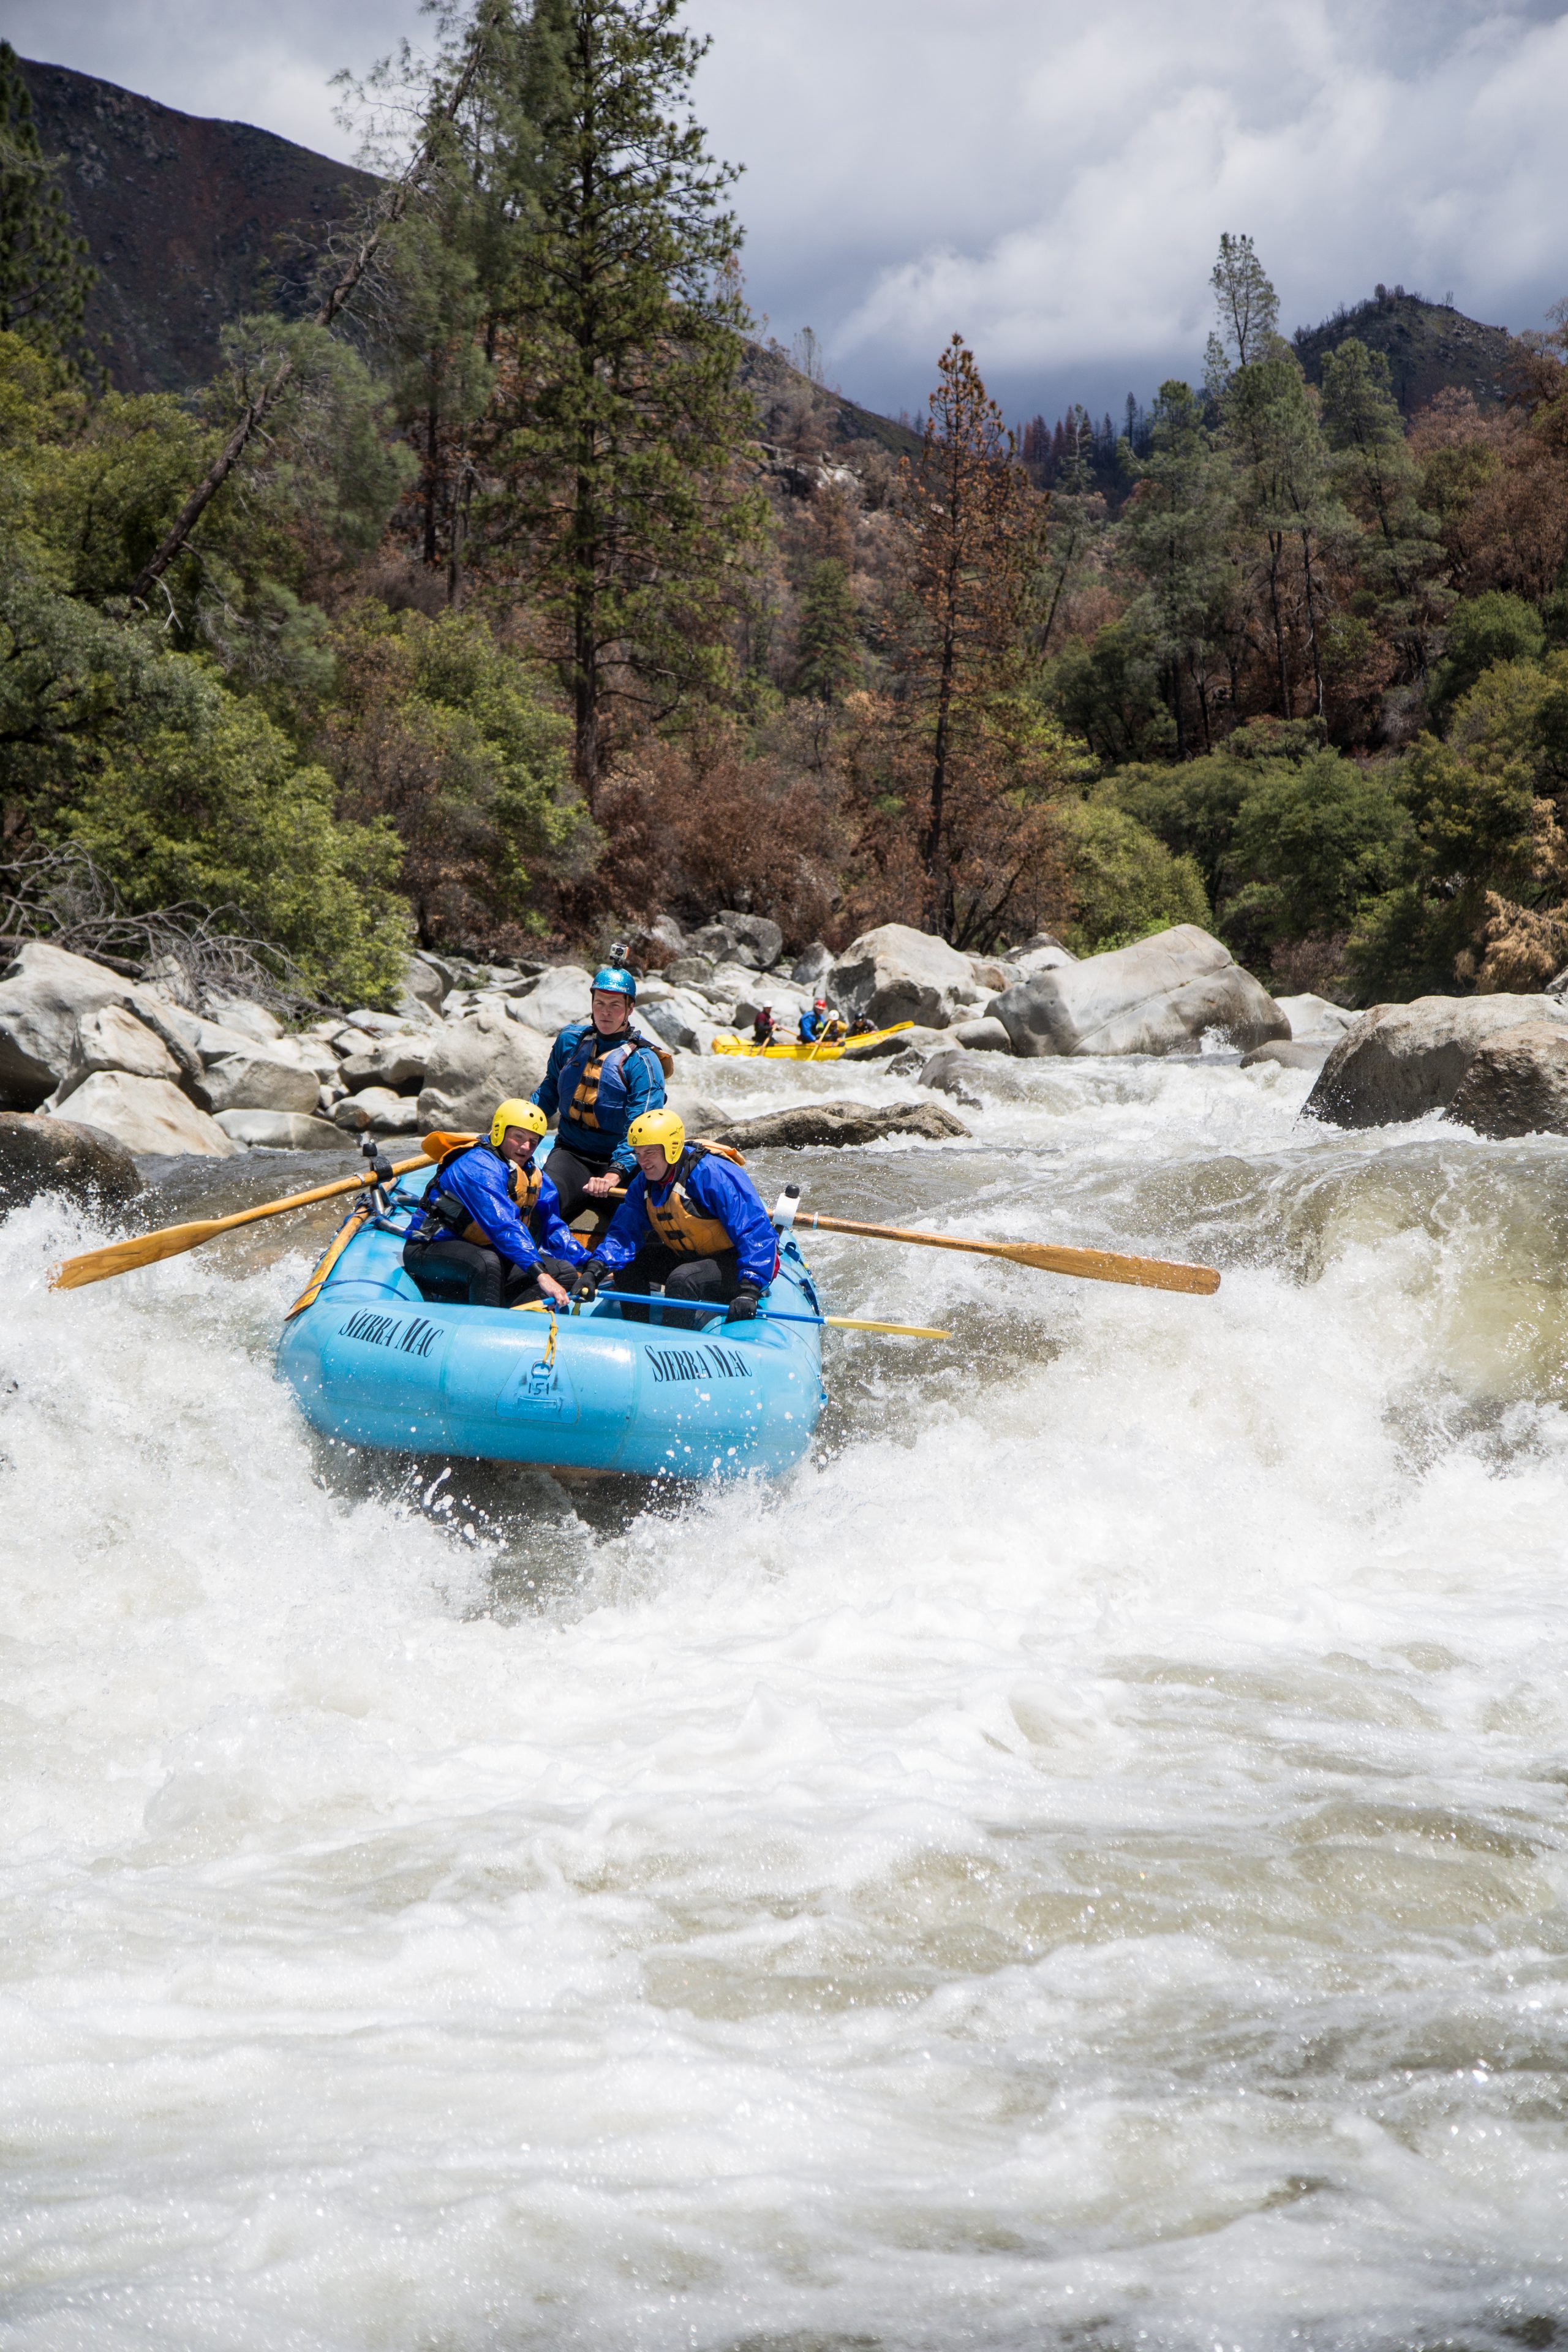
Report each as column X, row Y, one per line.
column 61, row 1155
column 1402, row 1061
column 1290, row 1052
column 970, row 1079
column 1159, row 996
column 986, row 1035
column 805, row 1124
column 148, row 1115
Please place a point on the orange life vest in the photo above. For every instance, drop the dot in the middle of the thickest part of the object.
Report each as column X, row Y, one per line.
column 677, row 1223
column 523, row 1183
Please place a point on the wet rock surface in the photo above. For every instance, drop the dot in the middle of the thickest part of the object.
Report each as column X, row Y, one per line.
column 1517, row 1083
column 58, row 1155
column 1403, row 1061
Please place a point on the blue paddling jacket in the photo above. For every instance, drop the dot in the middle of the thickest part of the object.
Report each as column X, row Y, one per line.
column 516, row 1212
column 595, row 1086
column 705, row 1206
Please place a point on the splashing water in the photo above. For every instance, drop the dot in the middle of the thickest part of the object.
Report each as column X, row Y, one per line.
column 1081, row 1863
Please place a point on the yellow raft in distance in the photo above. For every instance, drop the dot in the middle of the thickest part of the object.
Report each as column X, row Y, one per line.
column 727, row 1041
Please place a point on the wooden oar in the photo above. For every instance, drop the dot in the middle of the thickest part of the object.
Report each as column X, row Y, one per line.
column 171, row 1241
column 1092, row 1265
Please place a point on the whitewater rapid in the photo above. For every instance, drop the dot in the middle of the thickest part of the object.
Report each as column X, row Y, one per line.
column 1080, row 1864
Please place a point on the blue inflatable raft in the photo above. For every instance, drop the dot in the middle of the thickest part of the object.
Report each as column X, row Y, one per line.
column 371, row 1362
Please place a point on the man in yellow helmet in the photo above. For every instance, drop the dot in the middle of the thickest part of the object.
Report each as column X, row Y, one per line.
column 692, row 1219
column 490, row 1230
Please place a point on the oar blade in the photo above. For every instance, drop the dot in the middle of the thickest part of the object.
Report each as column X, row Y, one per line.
column 895, row 1330
column 124, row 1257
column 1109, row 1266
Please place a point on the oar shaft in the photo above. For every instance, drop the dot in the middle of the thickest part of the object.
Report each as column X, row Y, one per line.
column 1048, row 1257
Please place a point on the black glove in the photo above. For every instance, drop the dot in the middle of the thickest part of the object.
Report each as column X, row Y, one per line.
column 744, row 1305
column 586, row 1280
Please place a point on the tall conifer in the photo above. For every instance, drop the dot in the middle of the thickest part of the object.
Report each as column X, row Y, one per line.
column 44, row 274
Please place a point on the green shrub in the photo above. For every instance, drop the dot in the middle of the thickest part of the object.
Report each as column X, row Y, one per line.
column 1124, row 882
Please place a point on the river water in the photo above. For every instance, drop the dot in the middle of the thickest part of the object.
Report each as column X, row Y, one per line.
column 1080, row 1864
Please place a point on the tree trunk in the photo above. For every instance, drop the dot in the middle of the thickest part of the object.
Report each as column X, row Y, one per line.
column 1276, row 554
column 1312, row 620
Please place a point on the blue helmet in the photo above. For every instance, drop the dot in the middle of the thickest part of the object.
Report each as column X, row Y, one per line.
column 612, row 976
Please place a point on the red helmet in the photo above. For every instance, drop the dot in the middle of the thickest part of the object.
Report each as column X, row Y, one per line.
column 820, row 1005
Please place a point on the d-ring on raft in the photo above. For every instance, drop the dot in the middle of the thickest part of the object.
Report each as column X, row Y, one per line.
column 372, row 1363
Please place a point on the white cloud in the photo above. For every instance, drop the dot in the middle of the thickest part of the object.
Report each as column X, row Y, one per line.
column 1052, row 180
column 1048, row 177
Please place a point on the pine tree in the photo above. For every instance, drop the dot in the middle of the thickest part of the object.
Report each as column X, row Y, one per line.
column 623, row 417
column 1286, row 501
column 977, row 539
column 1249, row 310
column 1376, row 474
column 1175, row 531
column 44, row 274
column 830, row 663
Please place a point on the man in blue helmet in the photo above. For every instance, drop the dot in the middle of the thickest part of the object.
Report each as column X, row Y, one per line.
column 601, row 1076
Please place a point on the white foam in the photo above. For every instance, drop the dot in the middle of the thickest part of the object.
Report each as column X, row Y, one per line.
column 1084, row 1854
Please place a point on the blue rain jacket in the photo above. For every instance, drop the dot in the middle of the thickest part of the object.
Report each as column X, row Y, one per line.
column 631, row 1082
column 812, row 1026
column 481, row 1180
column 719, row 1188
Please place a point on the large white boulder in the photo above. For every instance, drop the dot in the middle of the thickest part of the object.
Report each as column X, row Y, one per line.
column 44, row 996
column 280, row 1130
column 558, row 996
column 258, row 1080
column 1401, row 1061
column 896, row 973
column 114, row 1039
column 394, row 1061
column 148, row 1115
column 474, row 1065
column 252, row 1020
column 1159, row 996
column 377, row 1110
column 681, row 1021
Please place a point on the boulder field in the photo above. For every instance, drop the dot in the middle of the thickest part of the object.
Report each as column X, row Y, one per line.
column 135, row 1060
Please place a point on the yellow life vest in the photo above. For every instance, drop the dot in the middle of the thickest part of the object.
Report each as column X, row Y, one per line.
column 682, row 1228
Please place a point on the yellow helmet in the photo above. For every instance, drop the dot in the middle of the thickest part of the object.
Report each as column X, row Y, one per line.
column 663, row 1127
column 515, row 1113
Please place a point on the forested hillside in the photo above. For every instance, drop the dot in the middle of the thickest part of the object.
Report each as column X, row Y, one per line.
column 496, row 587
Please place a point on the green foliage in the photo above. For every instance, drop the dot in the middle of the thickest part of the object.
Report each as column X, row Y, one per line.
column 830, row 660
column 44, row 274
column 1124, row 882
column 437, row 728
column 1107, row 690
column 1482, row 630
column 1312, row 842
column 619, row 500
column 1174, row 537
column 1485, row 808
column 222, row 815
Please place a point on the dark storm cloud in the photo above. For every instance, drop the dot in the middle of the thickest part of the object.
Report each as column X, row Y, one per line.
column 1050, row 179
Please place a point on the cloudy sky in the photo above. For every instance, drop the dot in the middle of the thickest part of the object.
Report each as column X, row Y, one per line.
column 1047, row 178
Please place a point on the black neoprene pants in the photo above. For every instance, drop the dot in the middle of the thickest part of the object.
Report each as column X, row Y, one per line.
column 569, row 1172
column 450, row 1269
column 709, row 1280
